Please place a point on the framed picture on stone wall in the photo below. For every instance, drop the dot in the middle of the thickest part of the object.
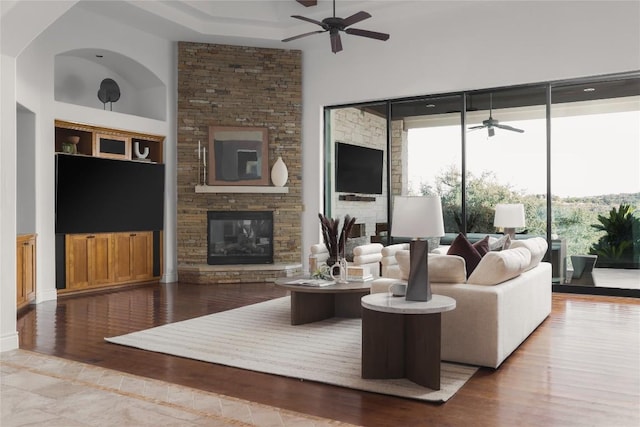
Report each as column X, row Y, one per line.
column 238, row 156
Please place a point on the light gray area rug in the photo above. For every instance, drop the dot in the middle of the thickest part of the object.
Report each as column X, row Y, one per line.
column 259, row 337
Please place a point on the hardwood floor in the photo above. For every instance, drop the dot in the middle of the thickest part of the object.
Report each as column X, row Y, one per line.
column 580, row 367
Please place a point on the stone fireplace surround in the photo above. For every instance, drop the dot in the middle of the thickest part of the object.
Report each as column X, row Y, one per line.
column 238, row 86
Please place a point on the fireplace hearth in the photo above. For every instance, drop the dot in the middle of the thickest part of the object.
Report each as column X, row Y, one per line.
column 239, row 237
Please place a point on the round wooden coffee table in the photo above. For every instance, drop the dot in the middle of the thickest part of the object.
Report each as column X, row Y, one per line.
column 314, row 303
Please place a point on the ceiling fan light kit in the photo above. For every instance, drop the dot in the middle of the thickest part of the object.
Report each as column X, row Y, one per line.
column 334, row 25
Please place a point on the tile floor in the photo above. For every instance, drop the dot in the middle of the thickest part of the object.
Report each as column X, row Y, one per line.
column 37, row 389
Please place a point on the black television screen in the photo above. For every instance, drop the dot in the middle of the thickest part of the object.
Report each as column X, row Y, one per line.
column 358, row 169
column 105, row 195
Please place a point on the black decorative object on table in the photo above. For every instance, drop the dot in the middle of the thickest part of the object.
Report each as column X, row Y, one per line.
column 333, row 241
column 109, row 92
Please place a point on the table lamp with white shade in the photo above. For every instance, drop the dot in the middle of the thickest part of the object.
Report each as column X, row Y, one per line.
column 418, row 218
column 509, row 216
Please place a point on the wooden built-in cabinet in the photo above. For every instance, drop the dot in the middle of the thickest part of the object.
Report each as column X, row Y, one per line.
column 26, row 269
column 106, row 259
column 104, row 142
column 99, row 260
column 89, row 260
column 133, row 256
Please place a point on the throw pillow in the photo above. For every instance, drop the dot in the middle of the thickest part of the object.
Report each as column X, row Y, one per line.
column 462, row 247
column 482, row 246
column 499, row 244
column 536, row 245
column 497, row 267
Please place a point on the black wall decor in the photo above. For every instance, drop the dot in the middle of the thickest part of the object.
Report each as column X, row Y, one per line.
column 109, row 92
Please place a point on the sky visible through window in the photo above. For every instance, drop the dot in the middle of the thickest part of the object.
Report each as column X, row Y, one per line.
column 591, row 154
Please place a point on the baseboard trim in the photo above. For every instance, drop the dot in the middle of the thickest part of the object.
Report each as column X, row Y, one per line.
column 46, row 295
column 9, row 341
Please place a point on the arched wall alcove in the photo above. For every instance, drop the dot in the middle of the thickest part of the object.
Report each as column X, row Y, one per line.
column 78, row 74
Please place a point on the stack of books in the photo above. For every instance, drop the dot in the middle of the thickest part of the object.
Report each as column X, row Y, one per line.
column 358, row 274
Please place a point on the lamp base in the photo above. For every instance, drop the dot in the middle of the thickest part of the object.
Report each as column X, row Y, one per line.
column 510, row 231
column 418, row 286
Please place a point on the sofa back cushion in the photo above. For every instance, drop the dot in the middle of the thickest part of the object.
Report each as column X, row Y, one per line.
column 442, row 268
column 497, row 267
column 536, row 245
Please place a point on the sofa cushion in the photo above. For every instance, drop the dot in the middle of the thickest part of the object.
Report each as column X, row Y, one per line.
column 500, row 244
column 462, row 247
column 403, row 256
column 536, row 245
column 441, row 268
column 447, row 269
column 370, row 248
column 497, row 267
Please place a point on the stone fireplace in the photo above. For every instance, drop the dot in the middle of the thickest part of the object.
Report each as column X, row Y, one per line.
column 236, row 86
column 239, row 237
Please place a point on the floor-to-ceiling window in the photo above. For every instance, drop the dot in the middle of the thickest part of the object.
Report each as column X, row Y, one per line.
column 506, row 157
column 427, row 153
column 595, row 180
column 571, row 160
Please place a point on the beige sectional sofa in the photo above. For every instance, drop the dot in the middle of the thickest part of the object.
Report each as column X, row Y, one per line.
column 497, row 307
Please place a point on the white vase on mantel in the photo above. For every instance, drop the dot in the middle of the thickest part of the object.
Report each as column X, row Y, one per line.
column 279, row 173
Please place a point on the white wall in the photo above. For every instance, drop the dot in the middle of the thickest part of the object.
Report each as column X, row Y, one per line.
column 8, row 332
column 25, row 171
column 470, row 45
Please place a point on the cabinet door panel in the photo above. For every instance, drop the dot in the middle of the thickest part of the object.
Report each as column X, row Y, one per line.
column 77, row 261
column 123, row 257
column 142, row 260
column 29, row 273
column 25, row 269
column 102, row 259
column 21, row 297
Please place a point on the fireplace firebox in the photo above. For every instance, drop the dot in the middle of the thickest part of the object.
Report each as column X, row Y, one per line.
column 239, row 237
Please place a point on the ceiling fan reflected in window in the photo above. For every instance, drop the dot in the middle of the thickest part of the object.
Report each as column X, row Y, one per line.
column 492, row 123
column 335, row 25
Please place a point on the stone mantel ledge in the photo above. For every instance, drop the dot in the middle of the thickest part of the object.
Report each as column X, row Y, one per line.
column 241, row 189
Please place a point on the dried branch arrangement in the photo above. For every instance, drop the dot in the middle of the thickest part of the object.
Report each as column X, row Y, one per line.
column 333, row 238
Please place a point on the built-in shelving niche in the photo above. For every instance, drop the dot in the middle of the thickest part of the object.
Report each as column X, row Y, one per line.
column 78, row 74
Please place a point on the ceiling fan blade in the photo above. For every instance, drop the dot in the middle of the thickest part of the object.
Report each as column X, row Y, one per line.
column 355, row 18
column 299, row 36
column 492, row 131
column 366, row 33
column 477, row 127
column 336, row 43
column 313, row 21
column 511, row 128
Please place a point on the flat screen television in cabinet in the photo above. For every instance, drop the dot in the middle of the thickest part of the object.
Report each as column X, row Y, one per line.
column 105, row 195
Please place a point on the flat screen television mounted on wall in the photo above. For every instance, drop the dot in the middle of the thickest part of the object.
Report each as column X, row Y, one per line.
column 95, row 195
column 358, row 169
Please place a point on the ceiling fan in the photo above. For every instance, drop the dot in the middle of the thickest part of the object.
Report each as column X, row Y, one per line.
column 492, row 123
column 334, row 25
